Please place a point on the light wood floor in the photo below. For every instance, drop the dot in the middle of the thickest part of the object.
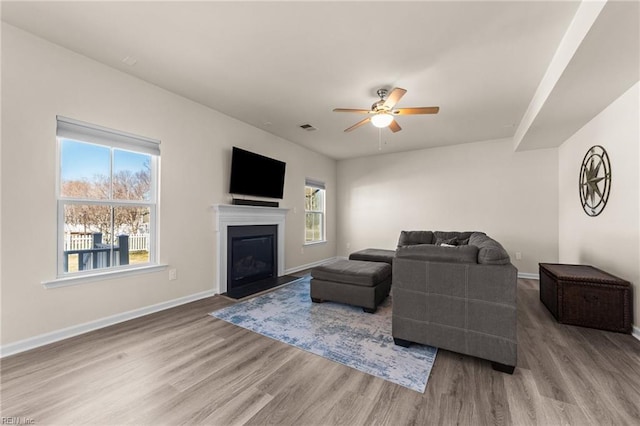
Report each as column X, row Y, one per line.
column 182, row 366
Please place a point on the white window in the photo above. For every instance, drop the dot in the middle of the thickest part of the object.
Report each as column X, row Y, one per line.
column 107, row 199
column 314, row 209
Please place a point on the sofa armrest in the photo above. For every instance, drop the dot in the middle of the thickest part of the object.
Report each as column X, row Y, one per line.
column 490, row 252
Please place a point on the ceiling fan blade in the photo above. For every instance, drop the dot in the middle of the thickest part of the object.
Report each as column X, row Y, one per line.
column 394, row 97
column 394, row 126
column 358, row 124
column 359, row 111
column 416, row 110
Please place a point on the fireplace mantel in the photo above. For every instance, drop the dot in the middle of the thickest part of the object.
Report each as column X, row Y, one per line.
column 231, row 215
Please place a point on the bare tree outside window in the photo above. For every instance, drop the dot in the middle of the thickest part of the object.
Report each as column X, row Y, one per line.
column 107, row 206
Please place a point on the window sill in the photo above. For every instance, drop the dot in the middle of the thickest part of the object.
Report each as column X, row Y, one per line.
column 83, row 279
column 313, row 243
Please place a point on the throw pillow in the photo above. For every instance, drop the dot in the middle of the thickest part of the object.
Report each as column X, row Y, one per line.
column 450, row 242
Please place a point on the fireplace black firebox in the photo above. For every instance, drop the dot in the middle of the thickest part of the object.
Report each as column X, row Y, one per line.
column 252, row 259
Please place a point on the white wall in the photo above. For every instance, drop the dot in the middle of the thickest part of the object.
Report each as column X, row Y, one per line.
column 611, row 240
column 41, row 80
column 486, row 186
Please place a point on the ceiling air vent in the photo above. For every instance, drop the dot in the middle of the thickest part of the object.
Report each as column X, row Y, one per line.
column 308, row 127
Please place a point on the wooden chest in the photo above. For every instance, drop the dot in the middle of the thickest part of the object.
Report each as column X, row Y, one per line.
column 586, row 296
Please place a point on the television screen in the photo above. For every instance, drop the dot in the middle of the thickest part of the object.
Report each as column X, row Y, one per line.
column 255, row 174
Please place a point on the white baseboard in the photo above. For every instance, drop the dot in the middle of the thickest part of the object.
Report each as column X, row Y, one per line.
column 309, row 265
column 528, row 276
column 65, row 333
column 635, row 332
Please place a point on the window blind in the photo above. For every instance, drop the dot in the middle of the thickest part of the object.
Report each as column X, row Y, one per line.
column 77, row 130
column 314, row 183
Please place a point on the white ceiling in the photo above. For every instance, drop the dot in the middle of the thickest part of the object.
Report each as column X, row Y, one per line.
column 605, row 64
column 278, row 65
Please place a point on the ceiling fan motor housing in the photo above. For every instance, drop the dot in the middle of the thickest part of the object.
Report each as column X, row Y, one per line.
column 379, row 107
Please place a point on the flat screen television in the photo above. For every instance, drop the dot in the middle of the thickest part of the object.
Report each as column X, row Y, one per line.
column 255, row 174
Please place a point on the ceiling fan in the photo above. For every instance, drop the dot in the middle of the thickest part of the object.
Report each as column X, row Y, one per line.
column 382, row 112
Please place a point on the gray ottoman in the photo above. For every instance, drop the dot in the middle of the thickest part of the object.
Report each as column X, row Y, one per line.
column 354, row 282
column 374, row 255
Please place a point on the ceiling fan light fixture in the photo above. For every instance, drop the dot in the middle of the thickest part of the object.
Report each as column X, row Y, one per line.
column 382, row 119
column 382, row 113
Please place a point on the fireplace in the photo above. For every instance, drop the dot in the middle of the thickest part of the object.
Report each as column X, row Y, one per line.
column 228, row 218
column 252, row 258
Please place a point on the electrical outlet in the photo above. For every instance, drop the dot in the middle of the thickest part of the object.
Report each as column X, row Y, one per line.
column 518, row 255
column 173, row 274
column 348, row 246
column 295, row 210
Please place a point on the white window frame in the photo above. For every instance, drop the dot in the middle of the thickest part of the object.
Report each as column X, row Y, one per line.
column 316, row 184
column 70, row 129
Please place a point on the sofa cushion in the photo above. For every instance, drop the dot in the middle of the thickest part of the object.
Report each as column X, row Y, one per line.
column 409, row 238
column 490, row 252
column 433, row 253
column 374, row 255
column 356, row 272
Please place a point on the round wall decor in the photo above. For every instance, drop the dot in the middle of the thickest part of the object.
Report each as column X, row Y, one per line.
column 595, row 180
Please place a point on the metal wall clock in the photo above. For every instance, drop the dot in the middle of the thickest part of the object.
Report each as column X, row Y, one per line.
column 595, row 180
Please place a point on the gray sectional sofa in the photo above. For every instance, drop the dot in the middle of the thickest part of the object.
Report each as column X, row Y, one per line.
column 456, row 291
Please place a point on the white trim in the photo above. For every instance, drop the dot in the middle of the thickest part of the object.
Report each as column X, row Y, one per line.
column 106, row 275
column 309, row 265
column 310, row 183
column 231, row 215
column 313, row 243
column 528, row 275
column 65, row 333
column 111, row 139
column 635, row 332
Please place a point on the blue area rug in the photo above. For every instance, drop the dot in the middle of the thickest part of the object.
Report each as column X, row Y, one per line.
column 340, row 333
